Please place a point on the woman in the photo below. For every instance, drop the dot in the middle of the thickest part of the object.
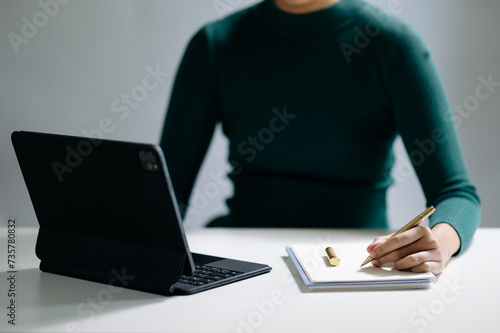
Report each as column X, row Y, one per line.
column 311, row 95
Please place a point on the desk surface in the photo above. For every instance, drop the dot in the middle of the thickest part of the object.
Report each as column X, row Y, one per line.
column 465, row 298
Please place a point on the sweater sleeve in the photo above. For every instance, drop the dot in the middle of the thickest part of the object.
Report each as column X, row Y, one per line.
column 424, row 121
column 191, row 118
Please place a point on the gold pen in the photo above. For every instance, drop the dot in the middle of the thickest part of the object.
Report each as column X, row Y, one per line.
column 413, row 223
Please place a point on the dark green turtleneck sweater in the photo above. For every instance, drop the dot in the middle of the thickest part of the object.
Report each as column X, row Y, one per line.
column 311, row 105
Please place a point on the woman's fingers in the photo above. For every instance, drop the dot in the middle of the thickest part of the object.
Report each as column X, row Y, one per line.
column 376, row 242
column 417, row 250
column 403, row 239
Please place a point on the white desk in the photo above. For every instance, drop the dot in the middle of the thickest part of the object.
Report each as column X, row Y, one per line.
column 465, row 299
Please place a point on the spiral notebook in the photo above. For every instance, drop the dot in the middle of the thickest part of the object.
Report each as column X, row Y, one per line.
column 312, row 264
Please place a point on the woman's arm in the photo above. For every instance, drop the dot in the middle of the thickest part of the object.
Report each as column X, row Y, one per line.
column 191, row 117
column 424, row 120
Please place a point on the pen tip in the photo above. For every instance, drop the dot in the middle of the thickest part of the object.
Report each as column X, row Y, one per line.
column 367, row 260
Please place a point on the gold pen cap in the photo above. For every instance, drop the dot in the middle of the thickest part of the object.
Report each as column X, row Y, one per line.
column 332, row 257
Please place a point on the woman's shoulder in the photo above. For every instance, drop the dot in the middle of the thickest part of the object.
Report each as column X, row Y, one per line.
column 385, row 22
column 234, row 24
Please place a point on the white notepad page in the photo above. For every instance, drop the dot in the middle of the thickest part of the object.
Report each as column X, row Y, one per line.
column 314, row 262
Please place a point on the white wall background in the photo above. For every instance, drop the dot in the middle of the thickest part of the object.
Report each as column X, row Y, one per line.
column 82, row 55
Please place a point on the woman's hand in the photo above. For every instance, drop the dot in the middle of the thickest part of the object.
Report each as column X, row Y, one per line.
column 419, row 249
